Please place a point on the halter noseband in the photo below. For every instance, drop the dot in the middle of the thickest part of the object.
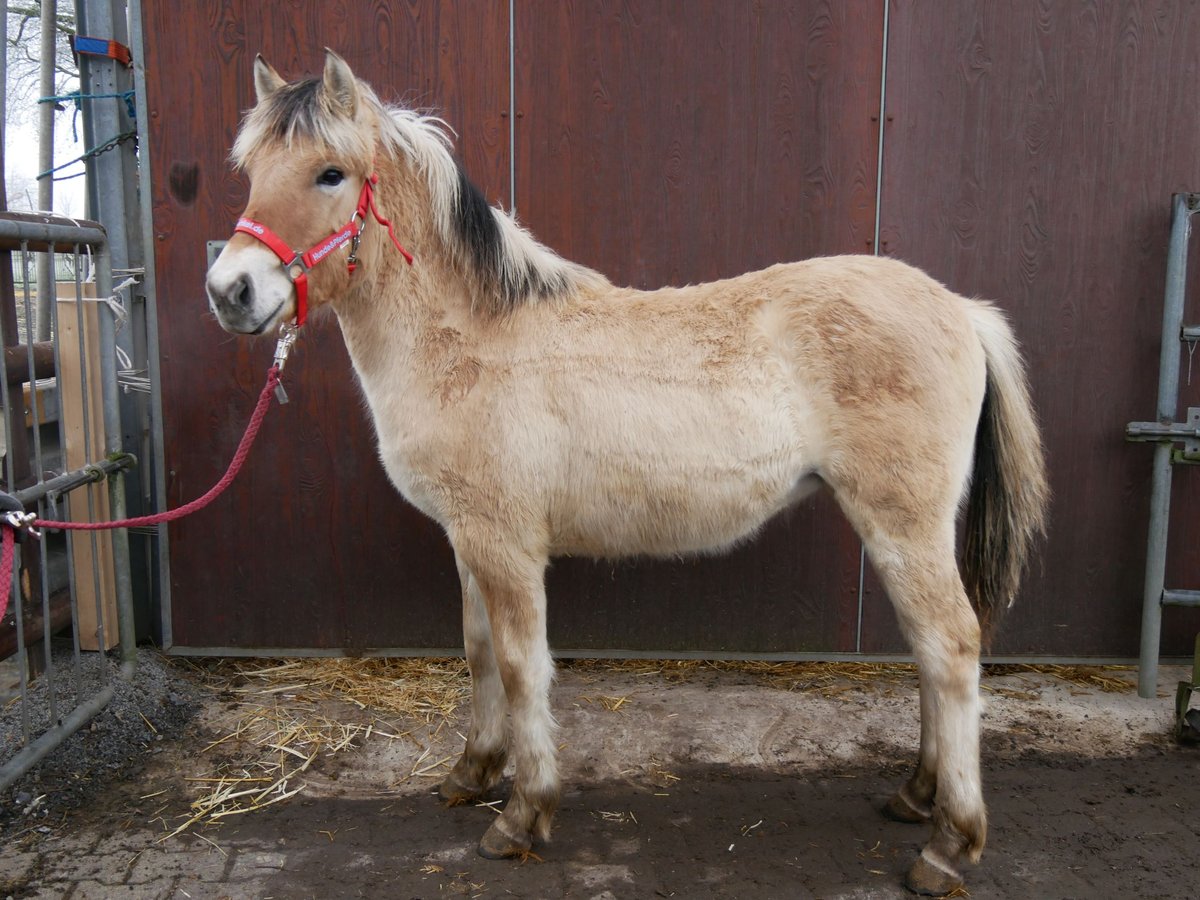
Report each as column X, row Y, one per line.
column 296, row 263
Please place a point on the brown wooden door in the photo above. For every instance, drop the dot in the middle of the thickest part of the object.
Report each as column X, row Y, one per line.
column 1030, row 151
column 312, row 548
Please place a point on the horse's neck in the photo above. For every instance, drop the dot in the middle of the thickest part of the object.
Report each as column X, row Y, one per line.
column 387, row 317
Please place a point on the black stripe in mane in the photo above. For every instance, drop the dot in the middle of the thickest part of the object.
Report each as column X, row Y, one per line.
column 483, row 243
column 476, row 227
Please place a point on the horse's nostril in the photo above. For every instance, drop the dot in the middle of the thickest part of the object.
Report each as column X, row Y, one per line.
column 241, row 293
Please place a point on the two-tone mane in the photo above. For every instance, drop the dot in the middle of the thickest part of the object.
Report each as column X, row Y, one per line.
column 509, row 266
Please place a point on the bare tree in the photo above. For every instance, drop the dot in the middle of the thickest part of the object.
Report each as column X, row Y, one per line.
column 39, row 66
column 24, row 57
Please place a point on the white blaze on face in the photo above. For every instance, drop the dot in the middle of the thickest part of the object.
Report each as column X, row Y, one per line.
column 248, row 290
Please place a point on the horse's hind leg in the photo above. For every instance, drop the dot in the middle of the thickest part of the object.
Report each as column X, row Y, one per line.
column 923, row 582
column 903, row 509
column 510, row 584
column 482, row 762
column 913, row 803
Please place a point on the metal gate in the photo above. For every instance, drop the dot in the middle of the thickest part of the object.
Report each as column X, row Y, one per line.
column 63, row 458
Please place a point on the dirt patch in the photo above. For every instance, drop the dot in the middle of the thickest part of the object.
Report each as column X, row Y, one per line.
column 144, row 716
column 720, row 786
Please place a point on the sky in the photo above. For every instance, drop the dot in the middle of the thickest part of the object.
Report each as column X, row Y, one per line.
column 21, row 157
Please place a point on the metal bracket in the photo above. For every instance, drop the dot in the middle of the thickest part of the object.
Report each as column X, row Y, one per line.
column 1187, row 433
column 22, row 524
column 214, row 249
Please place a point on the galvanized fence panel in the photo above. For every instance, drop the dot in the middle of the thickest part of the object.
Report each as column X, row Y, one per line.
column 61, row 403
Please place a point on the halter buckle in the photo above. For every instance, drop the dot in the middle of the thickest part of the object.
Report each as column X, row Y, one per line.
column 297, row 262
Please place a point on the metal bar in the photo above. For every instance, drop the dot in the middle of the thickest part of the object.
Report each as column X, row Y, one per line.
column 39, row 464
column 88, row 449
column 53, row 488
column 34, row 751
column 114, row 443
column 512, row 107
column 34, row 553
column 1181, row 598
column 126, row 629
column 1159, row 431
column 39, row 231
column 1183, row 206
column 1190, row 333
column 150, row 284
column 46, row 73
column 875, row 251
column 614, row 653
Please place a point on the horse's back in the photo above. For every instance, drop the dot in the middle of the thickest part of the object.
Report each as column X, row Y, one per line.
column 695, row 414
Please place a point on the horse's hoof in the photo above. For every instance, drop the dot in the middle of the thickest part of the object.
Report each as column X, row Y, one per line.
column 455, row 792
column 497, row 843
column 899, row 809
column 932, row 880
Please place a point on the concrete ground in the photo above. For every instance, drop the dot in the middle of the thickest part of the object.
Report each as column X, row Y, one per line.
column 717, row 784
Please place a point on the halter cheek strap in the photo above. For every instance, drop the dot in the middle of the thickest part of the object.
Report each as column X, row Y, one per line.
column 296, row 263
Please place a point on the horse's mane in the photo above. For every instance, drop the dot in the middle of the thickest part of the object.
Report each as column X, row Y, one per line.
column 509, row 266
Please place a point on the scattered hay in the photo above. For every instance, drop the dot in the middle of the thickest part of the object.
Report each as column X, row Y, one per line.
column 1105, row 678
column 828, row 679
column 279, row 734
column 429, row 690
column 831, row 679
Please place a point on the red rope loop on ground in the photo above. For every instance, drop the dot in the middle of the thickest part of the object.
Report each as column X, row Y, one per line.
column 170, row 515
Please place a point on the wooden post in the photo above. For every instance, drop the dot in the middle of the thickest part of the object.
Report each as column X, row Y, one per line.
column 83, row 446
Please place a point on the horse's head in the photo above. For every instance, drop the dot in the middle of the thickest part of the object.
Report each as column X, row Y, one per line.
column 308, row 149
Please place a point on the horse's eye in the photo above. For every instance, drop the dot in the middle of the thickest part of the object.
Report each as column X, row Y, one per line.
column 331, row 177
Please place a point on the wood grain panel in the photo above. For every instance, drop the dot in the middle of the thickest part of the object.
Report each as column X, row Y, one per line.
column 312, row 548
column 1030, row 154
column 676, row 142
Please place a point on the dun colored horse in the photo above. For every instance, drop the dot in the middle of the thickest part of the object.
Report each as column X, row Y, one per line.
column 532, row 408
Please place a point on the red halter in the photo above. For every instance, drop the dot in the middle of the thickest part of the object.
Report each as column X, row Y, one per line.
column 296, row 263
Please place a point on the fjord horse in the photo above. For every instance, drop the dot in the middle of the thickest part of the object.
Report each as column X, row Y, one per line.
column 532, row 408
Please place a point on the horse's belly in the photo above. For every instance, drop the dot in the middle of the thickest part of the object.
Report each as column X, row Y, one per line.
column 670, row 517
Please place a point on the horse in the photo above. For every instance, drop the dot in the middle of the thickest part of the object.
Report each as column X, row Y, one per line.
column 532, row 409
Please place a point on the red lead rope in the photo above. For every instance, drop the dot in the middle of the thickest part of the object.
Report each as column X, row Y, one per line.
column 292, row 260
column 170, row 515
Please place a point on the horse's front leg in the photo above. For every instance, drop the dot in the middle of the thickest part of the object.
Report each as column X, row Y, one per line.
column 482, row 762
column 511, row 585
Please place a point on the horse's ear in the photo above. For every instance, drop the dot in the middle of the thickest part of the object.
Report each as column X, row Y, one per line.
column 266, row 80
column 341, row 87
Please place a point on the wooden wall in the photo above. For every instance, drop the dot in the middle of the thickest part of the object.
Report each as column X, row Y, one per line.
column 1029, row 153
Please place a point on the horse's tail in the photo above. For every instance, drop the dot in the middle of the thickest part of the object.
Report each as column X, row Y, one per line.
column 1009, row 494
